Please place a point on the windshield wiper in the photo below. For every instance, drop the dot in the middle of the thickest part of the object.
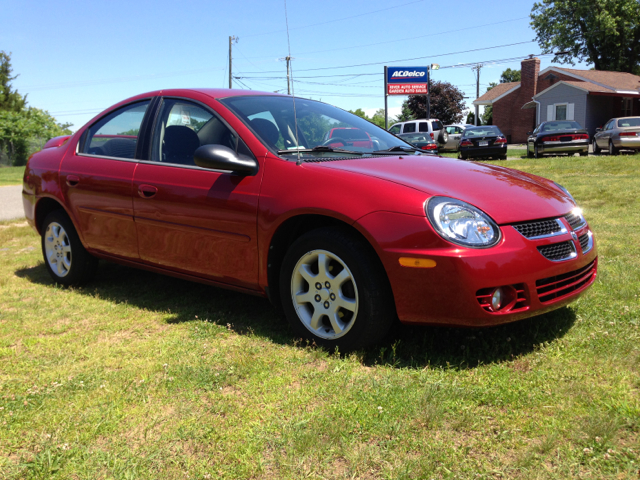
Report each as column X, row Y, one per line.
column 319, row 148
column 397, row 148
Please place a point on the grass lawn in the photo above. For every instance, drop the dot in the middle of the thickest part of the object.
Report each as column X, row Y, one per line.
column 143, row 376
column 11, row 175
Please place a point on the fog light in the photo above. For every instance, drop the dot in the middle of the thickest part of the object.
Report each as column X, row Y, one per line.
column 496, row 299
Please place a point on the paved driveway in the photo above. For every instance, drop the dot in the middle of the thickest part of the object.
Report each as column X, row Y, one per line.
column 11, row 202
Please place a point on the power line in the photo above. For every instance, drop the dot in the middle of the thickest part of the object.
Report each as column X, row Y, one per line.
column 403, row 59
column 404, row 39
column 334, row 21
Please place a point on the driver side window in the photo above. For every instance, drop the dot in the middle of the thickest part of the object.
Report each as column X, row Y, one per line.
column 182, row 127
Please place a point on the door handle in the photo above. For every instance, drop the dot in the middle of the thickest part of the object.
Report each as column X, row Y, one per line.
column 147, row 191
column 72, row 180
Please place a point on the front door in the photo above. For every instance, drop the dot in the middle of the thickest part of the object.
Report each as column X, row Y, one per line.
column 96, row 180
column 192, row 219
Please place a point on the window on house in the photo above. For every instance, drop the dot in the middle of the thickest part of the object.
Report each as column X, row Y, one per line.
column 561, row 112
column 627, row 107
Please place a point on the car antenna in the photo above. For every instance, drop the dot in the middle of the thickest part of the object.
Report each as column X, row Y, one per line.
column 293, row 93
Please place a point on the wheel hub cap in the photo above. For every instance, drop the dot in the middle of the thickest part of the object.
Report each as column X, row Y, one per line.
column 57, row 249
column 324, row 294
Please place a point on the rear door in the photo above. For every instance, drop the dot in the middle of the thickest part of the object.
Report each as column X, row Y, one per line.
column 96, row 180
column 190, row 219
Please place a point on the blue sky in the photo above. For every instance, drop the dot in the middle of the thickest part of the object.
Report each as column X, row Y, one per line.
column 77, row 58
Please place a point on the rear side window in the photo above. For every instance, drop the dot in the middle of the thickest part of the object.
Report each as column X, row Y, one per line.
column 423, row 127
column 436, row 125
column 116, row 135
column 409, row 128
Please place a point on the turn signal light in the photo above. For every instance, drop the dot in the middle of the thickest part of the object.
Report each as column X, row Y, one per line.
column 466, row 143
column 501, row 140
column 417, row 262
column 431, row 146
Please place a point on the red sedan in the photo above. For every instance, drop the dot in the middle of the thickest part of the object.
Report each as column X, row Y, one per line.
column 243, row 190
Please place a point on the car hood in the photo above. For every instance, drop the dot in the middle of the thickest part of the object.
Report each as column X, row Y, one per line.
column 507, row 195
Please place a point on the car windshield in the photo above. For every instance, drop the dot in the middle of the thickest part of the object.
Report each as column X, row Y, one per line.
column 559, row 126
column 629, row 122
column 483, row 131
column 327, row 129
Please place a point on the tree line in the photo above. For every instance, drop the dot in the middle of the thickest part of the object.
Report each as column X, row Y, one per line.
column 23, row 129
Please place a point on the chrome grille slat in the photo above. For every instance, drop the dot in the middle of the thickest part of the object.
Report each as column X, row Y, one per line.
column 539, row 228
column 556, row 252
column 575, row 221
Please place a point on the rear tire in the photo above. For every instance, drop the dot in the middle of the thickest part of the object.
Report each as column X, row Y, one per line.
column 66, row 259
column 334, row 290
column 612, row 150
column 536, row 154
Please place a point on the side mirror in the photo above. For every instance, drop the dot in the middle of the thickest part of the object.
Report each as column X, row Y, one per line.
column 219, row 157
column 529, row 133
column 599, row 129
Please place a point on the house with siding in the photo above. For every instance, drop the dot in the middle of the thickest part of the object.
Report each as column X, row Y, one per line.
column 590, row 97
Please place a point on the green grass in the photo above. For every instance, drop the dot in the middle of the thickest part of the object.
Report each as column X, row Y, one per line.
column 11, row 175
column 143, row 376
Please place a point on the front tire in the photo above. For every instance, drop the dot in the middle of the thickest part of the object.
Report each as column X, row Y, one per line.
column 334, row 291
column 596, row 148
column 66, row 259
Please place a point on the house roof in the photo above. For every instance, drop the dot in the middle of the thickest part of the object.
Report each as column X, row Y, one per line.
column 496, row 93
column 615, row 82
column 584, row 86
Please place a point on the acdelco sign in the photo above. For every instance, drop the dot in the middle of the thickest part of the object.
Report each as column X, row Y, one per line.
column 407, row 80
column 407, row 75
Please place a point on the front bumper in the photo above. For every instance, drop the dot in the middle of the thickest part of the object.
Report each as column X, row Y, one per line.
column 454, row 291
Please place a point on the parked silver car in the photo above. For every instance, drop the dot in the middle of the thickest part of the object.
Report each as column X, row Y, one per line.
column 433, row 127
column 618, row 134
column 454, row 132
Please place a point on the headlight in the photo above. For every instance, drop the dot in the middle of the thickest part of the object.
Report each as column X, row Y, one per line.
column 567, row 192
column 461, row 223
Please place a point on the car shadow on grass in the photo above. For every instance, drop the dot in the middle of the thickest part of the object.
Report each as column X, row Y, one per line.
column 405, row 346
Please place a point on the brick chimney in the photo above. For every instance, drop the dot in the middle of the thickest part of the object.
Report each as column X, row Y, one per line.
column 530, row 69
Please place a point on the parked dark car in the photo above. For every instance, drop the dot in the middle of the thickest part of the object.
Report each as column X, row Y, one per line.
column 485, row 141
column 618, row 134
column 420, row 140
column 558, row 136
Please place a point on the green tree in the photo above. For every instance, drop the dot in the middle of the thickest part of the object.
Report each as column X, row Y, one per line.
column 510, row 76
column 603, row 32
column 18, row 128
column 487, row 115
column 378, row 118
column 447, row 103
column 10, row 99
column 405, row 114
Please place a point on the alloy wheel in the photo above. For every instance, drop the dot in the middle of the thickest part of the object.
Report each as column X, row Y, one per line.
column 324, row 294
column 58, row 249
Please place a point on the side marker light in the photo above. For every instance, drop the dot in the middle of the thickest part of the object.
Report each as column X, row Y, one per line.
column 417, row 262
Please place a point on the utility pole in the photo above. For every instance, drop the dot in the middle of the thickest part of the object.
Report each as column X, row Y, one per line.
column 476, row 70
column 288, row 59
column 232, row 40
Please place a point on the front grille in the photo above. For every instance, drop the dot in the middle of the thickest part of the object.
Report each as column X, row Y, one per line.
column 558, row 251
column 540, row 228
column 576, row 221
column 552, row 288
